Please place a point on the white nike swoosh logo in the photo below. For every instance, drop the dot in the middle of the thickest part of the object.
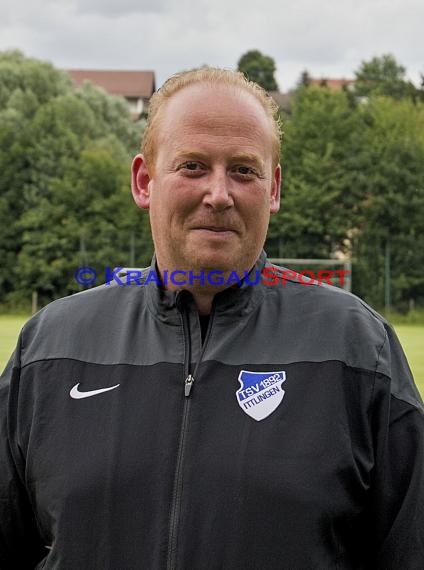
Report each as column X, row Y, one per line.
column 77, row 395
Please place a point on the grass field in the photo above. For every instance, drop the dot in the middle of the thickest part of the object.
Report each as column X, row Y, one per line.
column 10, row 325
column 411, row 337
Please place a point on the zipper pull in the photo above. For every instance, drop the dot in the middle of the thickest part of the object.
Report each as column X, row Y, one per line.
column 188, row 385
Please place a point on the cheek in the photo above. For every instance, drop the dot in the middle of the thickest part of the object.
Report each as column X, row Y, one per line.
column 255, row 207
column 174, row 199
column 168, row 213
column 161, row 203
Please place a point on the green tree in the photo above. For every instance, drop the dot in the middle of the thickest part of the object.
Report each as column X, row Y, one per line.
column 319, row 160
column 64, row 179
column 392, row 210
column 304, row 79
column 259, row 68
column 383, row 76
column 353, row 181
column 25, row 85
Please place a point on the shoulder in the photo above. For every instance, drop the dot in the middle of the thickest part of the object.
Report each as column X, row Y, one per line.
column 337, row 325
column 323, row 306
column 72, row 327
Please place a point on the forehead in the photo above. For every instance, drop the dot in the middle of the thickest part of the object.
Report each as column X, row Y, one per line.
column 214, row 111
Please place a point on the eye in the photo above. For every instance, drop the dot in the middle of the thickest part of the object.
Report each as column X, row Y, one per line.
column 245, row 170
column 191, row 166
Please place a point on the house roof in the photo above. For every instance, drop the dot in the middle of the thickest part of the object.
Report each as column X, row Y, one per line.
column 124, row 83
column 332, row 84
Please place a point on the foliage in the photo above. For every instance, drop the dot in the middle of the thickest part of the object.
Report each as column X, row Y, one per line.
column 353, row 181
column 393, row 201
column 304, row 79
column 259, row 68
column 64, row 164
column 319, row 199
column 383, row 76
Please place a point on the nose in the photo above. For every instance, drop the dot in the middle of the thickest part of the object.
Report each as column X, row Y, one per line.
column 218, row 193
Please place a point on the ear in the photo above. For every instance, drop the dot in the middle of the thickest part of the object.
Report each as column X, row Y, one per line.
column 140, row 182
column 274, row 203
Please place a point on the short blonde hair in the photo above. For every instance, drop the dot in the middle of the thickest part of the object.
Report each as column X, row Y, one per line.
column 210, row 76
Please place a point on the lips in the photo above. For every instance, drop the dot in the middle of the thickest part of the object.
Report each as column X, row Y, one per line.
column 217, row 229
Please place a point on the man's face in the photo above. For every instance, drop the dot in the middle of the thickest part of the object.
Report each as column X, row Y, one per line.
column 212, row 187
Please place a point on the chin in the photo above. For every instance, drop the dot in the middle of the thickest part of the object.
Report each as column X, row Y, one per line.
column 222, row 262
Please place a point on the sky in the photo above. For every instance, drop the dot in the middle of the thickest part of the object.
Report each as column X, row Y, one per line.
column 329, row 38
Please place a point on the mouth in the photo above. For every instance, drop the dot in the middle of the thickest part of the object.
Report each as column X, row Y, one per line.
column 215, row 229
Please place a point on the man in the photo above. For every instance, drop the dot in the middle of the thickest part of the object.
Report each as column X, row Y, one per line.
column 208, row 426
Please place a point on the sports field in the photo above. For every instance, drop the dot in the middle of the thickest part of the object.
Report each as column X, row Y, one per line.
column 412, row 339
column 411, row 336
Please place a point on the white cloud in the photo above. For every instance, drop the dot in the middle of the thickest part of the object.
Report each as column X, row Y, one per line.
column 112, row 8
column 330, row 37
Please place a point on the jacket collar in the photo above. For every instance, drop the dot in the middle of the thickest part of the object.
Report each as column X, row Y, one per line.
column 236, row 300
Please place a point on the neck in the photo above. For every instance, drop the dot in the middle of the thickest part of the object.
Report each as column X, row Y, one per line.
column 203, row 301
column 203, row 292
column 203, row 295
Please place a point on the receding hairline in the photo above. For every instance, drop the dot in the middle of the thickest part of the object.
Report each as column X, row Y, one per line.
column 196, row 93
column 214, row 78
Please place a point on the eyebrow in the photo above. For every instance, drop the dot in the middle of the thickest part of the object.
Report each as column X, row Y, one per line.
column 249, row 158
column 189, row 155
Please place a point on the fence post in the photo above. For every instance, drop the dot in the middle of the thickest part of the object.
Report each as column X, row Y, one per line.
column 34, row 302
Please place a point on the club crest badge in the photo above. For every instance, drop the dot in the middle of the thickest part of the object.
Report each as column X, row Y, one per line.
column 260, row 393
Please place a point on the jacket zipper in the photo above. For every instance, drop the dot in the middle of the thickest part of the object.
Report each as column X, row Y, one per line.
column 188, row 385
column 178, row 481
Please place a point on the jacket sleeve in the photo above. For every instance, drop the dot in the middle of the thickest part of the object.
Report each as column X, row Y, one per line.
column 20, row 543
column 396, row 531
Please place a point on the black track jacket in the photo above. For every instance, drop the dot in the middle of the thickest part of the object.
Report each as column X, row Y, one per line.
column 298, row 445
